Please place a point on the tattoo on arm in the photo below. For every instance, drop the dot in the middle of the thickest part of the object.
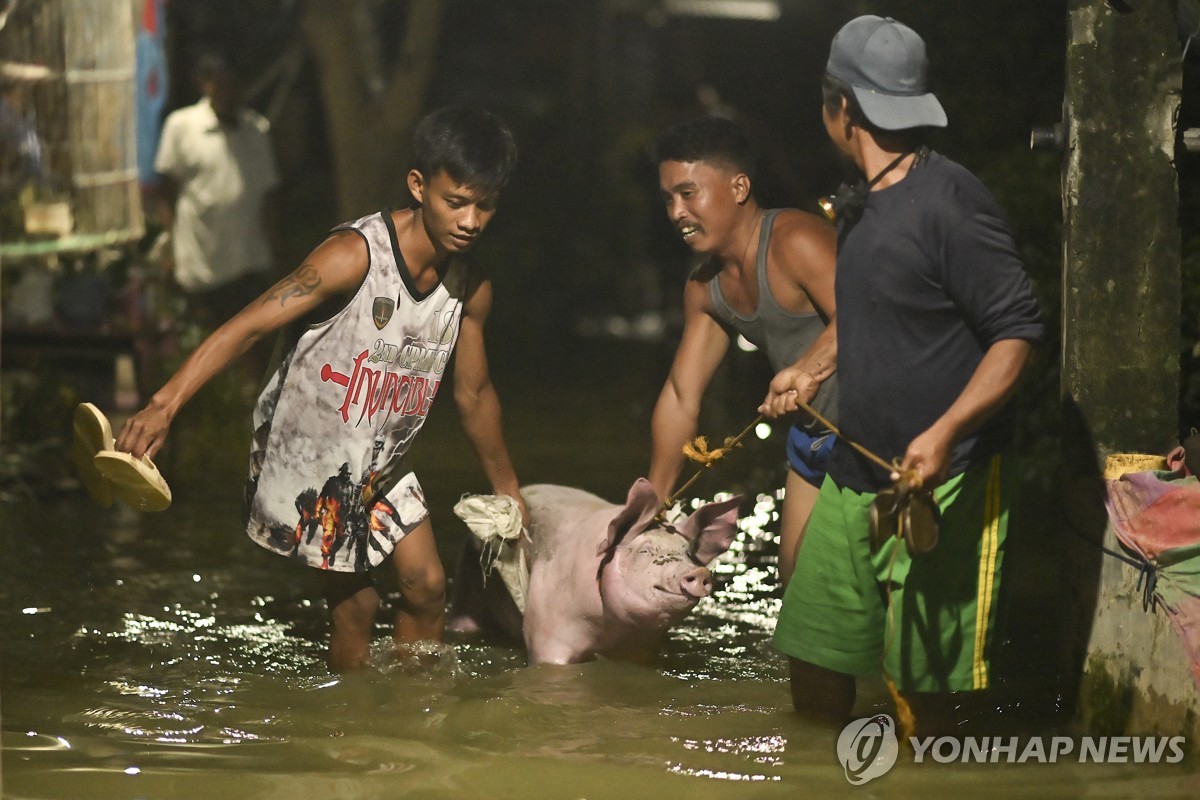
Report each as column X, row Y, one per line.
column 301, row 283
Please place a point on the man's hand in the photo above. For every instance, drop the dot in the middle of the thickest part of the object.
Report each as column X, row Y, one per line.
column 927, row 458
column 992, row 383
column 144, row 433
column 790, row 385
column 526, row 522
column 800, row 381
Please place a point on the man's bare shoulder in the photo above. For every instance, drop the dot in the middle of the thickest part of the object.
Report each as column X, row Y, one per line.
column 337, row 265
column 469, row 274
column 476, row 270
column 801, row 242
column 476, row 283
column 792, row 222
column 697, row 294
column 343, row 248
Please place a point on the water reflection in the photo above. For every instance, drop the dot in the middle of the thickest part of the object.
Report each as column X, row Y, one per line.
column 182, row 662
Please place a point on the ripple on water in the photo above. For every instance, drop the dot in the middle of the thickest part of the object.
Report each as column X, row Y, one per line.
column 198, row 676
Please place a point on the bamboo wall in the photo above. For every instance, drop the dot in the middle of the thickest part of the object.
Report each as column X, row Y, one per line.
column 84, row 113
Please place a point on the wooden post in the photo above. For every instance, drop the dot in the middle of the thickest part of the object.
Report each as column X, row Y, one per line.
column 1121, row 340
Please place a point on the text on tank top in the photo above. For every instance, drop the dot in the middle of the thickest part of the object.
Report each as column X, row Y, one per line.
column 336, row 419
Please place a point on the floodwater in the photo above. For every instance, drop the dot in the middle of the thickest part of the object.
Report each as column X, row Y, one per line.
column 167, row 656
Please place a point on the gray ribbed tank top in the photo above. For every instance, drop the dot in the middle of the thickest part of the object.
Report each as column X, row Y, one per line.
column 783, row 336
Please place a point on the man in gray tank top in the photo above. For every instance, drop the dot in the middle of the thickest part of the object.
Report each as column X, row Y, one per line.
column 767, row 276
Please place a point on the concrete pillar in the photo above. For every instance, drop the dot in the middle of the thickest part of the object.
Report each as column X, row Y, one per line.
column 1120, row 337
column 1121, row 313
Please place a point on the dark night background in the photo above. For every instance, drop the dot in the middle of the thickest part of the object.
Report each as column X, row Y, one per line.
column 587, row 85
column 581, row 239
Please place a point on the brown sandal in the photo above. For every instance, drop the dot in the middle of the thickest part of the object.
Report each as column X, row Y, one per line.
column 904, row 512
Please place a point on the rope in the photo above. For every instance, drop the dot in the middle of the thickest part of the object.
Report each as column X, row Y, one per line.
column 909, row 478
column 1147, row 581
column 698, row 451
column 904, row 713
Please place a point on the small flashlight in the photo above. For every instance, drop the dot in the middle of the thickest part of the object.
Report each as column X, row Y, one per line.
column 829, row 207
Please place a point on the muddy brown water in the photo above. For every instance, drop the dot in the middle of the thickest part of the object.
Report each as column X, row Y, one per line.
column 167, row 656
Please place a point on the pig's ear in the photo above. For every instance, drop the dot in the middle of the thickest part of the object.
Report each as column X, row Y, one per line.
column 711, row 528
column 641, row 506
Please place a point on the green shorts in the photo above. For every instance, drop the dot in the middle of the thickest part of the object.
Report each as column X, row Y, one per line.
column 938, row 635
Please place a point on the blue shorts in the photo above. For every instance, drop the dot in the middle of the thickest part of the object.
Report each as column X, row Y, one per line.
column 808, row 454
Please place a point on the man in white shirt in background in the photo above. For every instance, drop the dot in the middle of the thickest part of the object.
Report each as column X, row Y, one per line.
column 219, row 175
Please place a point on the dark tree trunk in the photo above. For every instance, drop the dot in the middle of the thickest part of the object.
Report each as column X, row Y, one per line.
column 370, row 109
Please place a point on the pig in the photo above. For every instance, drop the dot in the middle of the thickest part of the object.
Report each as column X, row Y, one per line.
column 604, row 580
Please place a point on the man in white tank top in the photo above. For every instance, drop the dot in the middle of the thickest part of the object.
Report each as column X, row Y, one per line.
column 372, row 316
column 768, row 275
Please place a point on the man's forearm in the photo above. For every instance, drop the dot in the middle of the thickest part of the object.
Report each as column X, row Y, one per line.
column 990, row 386
column 819, row 361
column 224, row 346
column 992, row 383
column 672, row 426
column 801, row 381
column 481, row 421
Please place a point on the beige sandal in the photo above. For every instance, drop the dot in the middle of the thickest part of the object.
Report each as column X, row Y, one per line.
column 107, row 473
column 92, row 434
column 136, row 481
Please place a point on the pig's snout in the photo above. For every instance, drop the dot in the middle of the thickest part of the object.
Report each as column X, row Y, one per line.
column 697, row 583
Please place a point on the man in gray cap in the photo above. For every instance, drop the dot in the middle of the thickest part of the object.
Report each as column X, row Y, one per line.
column 936, row 322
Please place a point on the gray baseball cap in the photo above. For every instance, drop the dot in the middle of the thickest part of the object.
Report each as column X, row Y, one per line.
column 884, row 62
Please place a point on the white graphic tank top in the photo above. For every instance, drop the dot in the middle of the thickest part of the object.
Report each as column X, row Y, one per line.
column 327, row 480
